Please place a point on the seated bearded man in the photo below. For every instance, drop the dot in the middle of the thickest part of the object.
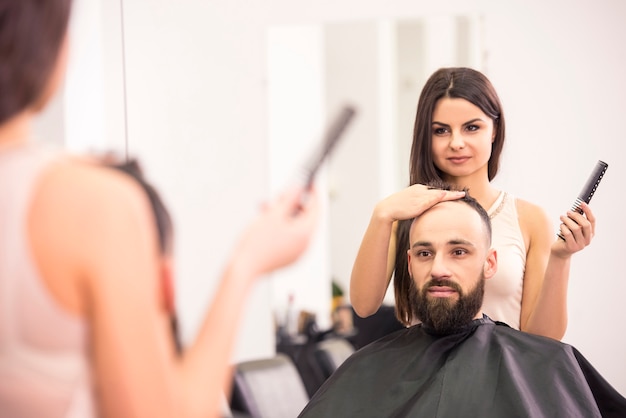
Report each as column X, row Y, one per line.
column 457, row 362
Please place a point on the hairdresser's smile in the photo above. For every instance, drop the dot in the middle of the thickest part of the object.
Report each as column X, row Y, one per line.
column 458, row 160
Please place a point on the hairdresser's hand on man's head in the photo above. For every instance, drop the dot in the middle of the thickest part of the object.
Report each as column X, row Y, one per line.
column 280, row 233
column 412, row 202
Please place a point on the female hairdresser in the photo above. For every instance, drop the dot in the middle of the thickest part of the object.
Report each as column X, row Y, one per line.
column 83, row 328
column 458, row 138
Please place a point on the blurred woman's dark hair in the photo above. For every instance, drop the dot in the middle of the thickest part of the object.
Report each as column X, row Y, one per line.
column 31, row 35
column 163, row 221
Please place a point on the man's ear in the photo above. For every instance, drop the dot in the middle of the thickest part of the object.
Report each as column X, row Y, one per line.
column 491, row 264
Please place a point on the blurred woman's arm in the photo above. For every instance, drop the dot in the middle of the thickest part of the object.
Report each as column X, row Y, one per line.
column 96, row 243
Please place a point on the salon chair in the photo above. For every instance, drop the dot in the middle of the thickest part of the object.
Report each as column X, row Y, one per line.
column 268, row 388
column 330, row 353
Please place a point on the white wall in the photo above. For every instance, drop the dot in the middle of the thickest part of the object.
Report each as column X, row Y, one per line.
column 198, row 118
column 353, row 75
column 297, row 116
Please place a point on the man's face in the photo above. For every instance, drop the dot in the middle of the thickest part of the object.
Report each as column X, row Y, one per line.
column 449, row 259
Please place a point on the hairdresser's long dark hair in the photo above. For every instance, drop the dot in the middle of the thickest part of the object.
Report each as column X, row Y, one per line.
column 31, row 35
column 457, row 83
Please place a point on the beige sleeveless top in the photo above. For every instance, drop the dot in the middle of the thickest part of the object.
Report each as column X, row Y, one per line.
column 44, row 369
column 503, row 292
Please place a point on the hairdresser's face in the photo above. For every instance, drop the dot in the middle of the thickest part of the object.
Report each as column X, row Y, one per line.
column 449, row 257
column 461, row 139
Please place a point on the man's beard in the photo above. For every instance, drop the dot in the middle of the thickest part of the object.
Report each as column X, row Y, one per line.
column 445, row 315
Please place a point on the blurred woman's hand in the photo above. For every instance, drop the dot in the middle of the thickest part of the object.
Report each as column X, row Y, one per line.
column 280, row 233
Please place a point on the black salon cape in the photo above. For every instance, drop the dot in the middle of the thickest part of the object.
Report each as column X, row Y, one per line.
column 485, row 370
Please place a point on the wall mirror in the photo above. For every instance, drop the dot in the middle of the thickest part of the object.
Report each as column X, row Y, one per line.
column 379, row 67
column 229, row 96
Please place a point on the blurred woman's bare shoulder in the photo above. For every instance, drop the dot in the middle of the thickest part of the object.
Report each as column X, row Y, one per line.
column 77, row 184
column 82, row 216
